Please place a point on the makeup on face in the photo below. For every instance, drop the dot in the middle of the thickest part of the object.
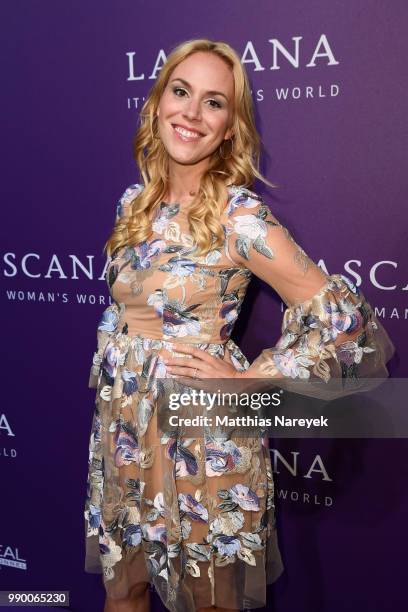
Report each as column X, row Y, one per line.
column 194, row 118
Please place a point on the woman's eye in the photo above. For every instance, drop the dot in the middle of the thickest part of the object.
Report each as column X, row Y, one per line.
column 181, row 93
column 178, row 89
column 216, row 104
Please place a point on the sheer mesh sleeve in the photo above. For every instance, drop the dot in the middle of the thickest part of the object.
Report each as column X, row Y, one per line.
column 329, row 331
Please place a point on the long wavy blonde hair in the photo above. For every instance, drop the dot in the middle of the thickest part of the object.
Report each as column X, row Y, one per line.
column 241, row 168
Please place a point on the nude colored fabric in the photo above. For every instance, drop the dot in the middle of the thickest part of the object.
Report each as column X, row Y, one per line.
column 196, row 517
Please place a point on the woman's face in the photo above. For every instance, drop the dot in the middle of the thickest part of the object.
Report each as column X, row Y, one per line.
column 196, row 109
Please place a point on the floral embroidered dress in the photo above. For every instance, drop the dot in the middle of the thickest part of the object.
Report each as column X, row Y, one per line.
column 195, row 517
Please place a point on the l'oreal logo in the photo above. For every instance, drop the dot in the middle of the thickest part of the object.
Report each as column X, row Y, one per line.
column 10, row 556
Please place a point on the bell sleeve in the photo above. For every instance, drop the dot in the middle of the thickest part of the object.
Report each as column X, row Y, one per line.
column 331, row 342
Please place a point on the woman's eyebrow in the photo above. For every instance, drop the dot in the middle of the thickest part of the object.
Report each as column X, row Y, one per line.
column 211, row 93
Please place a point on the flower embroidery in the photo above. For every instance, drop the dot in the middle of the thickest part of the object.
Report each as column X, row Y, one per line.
column 179, row 320
column 132, row 535
column 127, row 448
column 155, row 533
column 227, row 545
column 186, row 462
column 179, row 295
column 162, row 223
column 141, row 256
column 109, row 321
column 250, row 226
column 244, row 497
column 193, row 508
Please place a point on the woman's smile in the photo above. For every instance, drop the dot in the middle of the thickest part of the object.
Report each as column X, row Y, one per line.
column 195, row 111
column 185, row 134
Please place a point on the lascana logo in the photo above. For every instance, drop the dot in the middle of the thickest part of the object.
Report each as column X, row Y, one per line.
column 292, row 466
column 35, row 265
column 6, row 432
column 10, row 556
column 295, row 56
column 74, row 267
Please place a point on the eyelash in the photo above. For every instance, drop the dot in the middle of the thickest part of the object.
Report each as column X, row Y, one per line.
column 175, row 89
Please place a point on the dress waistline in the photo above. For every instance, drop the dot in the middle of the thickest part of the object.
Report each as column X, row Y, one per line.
column 135, row 342
column 140, row 336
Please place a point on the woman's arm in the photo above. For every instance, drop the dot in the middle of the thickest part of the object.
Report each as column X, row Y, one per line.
column 329, row 331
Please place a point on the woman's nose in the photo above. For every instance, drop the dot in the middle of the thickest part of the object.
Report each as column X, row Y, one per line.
column 192, row 110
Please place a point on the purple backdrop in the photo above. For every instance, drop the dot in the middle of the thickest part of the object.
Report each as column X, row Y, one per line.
column 331, row 98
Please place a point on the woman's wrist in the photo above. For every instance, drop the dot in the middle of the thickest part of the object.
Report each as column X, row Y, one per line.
column 241, row 374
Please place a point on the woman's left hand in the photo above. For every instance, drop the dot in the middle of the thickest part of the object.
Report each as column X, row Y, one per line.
column 200, row 365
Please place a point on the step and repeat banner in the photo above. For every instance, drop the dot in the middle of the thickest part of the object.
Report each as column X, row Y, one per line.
column 330, row 91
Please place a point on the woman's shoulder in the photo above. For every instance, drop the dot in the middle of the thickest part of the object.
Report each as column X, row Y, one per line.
column 241, row 198
column 130, row 193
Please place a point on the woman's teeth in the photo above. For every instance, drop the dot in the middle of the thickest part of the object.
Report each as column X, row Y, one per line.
column 186, row 133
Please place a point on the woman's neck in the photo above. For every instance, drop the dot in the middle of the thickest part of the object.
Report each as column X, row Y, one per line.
column 184, row 182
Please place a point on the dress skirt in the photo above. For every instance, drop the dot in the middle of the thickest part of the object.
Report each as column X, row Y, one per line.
column 194, row 517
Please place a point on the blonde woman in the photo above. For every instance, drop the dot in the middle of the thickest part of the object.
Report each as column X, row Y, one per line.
column 195, row 516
